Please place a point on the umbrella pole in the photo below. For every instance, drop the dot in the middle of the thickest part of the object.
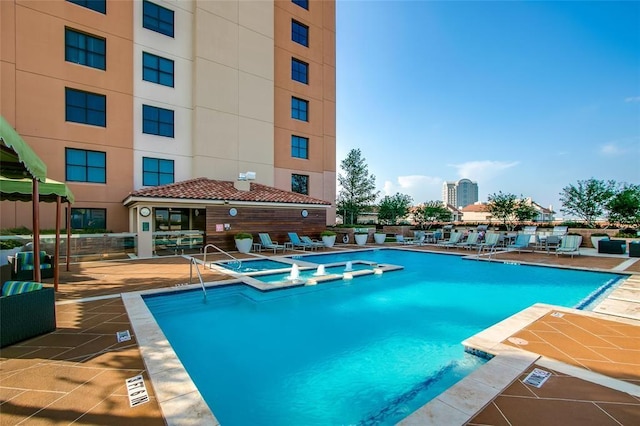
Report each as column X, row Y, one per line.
column 68, row 234
column 56, row 254
column 36, row 231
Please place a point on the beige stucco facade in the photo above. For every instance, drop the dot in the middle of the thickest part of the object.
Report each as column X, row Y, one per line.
column 231, row 96
column 34, row 77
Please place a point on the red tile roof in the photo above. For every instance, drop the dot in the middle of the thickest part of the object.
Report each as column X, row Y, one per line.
column 476, row 208
column 209, row 189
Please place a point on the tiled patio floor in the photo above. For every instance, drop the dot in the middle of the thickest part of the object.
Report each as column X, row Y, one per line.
column 76, row 374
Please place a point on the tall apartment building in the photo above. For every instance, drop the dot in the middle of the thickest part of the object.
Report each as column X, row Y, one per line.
column 119, row 95
column 460, row 194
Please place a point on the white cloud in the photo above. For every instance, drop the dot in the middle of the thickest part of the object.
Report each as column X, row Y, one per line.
column 632, row 99
column 420, row 188
column 610, row 149
column 481, row 171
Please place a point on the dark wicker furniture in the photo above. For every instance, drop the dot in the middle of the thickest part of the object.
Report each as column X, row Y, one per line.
column 26, row 315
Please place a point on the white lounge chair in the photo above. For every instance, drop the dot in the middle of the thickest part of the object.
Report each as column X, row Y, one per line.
column 570, row 244
column 471, row 241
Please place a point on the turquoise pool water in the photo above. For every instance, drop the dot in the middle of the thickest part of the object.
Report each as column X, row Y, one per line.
column 365, row 351
column 248, row 266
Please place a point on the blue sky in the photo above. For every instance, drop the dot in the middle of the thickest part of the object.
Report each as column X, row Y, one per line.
column 522, row 97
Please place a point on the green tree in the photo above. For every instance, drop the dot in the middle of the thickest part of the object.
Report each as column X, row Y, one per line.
column 588, row 199
column 394, row 207
column 624, row 206
column 357, row 187
column 524, row 211
column 503, row 207
column 430, row 212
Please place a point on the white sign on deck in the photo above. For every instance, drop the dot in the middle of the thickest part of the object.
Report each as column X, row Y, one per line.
column 537, row 377
column 137, row 391
column 123, row 336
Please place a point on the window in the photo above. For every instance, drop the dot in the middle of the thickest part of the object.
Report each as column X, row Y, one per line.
column 171, row 219
column 299, row 108
column 302, row 3
column 85, row 107
column 97, row 5
column 299, row 71
column 157, row 121
column 300, row 33
column 85, row 49
column 156, row 171
column 85, row 166
column 300, row 184
column 89, row 219
column 157, row 18
column 299, row 147
column 157, row 70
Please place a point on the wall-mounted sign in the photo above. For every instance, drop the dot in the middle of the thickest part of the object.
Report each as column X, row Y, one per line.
column 145, row 226
column 219, row 227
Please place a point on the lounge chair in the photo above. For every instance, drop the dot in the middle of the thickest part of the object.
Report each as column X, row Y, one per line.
column 490, row 242
column 266, row 242
column 570, row 244
column 400, row 239
column 418, row 240
column 522, row 242
column 297, row 242
column 314, row 244
column 454, row 238
column 22, row 265
column 471, row 241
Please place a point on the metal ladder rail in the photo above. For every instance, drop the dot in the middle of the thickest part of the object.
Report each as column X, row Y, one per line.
column 204, row 258
column 193, row 261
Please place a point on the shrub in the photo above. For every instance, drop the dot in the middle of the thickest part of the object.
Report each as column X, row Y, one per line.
column 9, row 244
column 327, row 234
column 243, row 236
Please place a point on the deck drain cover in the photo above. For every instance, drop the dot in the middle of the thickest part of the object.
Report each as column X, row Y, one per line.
column 518, row 341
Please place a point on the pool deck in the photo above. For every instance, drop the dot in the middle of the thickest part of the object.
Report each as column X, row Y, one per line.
column 77, row 373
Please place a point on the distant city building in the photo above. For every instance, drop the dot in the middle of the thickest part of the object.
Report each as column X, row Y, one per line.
column 460, row 194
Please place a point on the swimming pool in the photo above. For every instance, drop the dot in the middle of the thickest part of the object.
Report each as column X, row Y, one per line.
column 248, row 266
column 366, row 351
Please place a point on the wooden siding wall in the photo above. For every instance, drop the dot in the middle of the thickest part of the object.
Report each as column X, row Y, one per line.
column 253, row 220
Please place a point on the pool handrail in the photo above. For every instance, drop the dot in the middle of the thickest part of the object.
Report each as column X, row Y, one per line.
column 204, row 258
column 193, row 261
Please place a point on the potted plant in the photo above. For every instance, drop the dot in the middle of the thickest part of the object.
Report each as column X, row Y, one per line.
column 597, row 236
column 379, row 237
column 244, row 241
column 361, row 237
column 328, row 238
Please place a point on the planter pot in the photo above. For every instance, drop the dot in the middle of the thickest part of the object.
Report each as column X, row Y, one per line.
column 379, row 238
column 361, row 239
column 329, row 240
column 244, row 246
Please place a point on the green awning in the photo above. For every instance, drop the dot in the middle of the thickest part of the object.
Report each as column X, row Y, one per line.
column 22, row 190
column 17, row 159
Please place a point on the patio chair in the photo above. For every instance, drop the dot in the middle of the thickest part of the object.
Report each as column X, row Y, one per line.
column 522, row 242
column 418, row 240
column 570, row 244
column 400, row 239
column 266, row 242
column 471, row 241
column 22, row 265
column 314, row 244
column 27, row 309
column 490, row 242
column 297, row 242
column 454, row 238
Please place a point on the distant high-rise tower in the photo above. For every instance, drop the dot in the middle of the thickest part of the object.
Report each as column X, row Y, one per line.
column 460, row 193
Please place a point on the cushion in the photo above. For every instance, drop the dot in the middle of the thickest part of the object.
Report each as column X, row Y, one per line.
column 16, row 287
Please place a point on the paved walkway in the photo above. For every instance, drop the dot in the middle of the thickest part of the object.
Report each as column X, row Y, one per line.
column 76, row 375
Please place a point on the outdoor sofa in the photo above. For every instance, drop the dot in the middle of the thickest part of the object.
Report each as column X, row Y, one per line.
column 27, row 309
